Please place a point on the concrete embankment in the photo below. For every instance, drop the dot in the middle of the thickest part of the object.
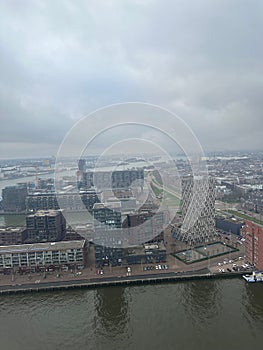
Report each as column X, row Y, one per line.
column 113, row 281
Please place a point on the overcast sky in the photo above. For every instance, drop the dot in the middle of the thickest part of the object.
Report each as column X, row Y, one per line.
column 61, row 60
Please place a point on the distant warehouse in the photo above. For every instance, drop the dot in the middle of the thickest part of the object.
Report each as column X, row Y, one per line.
column 42, row 256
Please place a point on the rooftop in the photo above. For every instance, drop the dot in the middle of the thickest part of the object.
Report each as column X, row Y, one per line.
column 50, row 212
column 12, row 229
column 109, row 205
column 48, row 246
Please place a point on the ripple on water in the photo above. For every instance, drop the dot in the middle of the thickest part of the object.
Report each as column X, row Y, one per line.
column 196, row 314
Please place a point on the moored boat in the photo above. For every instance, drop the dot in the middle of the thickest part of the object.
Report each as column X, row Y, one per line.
column 255, row 277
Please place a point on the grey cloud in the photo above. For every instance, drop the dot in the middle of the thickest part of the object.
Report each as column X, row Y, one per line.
column 201, row 59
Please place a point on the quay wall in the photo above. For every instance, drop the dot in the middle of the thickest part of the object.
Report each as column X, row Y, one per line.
column 110, row 282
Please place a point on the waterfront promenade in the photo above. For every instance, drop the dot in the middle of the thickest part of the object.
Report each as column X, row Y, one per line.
column 53, row 285
column 92, row 278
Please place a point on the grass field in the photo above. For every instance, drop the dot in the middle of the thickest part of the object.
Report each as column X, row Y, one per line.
column 244, row 216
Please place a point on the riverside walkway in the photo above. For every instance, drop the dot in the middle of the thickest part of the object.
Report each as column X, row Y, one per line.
column 114, row 281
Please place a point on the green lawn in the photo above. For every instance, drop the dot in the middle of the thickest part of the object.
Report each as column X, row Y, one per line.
column 157, row 191
column 168, row 198
column 244, row 216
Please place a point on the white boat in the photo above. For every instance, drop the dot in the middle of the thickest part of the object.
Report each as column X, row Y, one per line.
column 255, row 277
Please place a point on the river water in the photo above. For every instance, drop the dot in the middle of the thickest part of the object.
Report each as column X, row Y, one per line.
column 209, row 314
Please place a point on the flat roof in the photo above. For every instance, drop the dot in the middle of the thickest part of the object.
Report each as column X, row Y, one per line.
column 107, row 205
column 12, row 229
column 49, row 212
column 140, row 250
column 30, row 248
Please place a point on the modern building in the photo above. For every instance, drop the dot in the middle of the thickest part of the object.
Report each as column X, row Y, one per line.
column 125, row 196
column 145, row 254
column 85, row 231
column 118, row 179
column 12, row 235
column 108, row 234
column 45, row 226
column 14, row 198
column 42, row 256
column 144, row 226
column 107, row 216
column 82, row 165
column 108, row 256
column 81, row 170
column 253, row 234
column 41, row 201
column 84, row 200
column 114, row 231
column 229, row 225
column 198, row 224
column 72, row 235
column 141, row 254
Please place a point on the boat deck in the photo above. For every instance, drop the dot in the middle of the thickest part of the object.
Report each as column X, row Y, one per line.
column 253, row 278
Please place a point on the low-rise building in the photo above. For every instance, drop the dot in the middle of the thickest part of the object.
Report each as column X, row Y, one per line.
column 12, row 235
column 42, row 256
column 227, row 225
column 145, row 254
column 142, row 254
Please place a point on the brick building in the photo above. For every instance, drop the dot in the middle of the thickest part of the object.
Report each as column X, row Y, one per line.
column 253, row 233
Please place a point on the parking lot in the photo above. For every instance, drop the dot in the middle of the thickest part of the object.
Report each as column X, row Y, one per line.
column 156, row 267
column 232, row 265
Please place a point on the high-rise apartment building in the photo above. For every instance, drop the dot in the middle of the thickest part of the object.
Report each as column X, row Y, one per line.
column 198, row 210
column 253, row 233
column 82, row 165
